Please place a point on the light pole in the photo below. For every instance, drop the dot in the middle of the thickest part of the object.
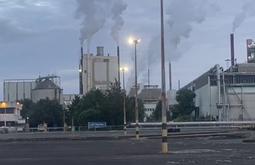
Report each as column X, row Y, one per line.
column 163, row 81
column 135, row 42
column 124, row 69
column 5, row 106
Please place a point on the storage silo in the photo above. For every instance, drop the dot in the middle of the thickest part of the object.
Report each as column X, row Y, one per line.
column 47, row 87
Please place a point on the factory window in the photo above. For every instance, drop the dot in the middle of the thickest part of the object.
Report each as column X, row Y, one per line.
column 1, row 123
column 7, row 110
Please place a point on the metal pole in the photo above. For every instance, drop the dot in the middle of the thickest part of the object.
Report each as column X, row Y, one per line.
column 124, row 104
column 136, row 89
column 81, row 72
column 64, row 121
column 225, row 97
column 5, row 117
column 219, row 92
column 118, row 55
column 73, row 129
column 170, row 76
column 149, row 77
column 163, row 81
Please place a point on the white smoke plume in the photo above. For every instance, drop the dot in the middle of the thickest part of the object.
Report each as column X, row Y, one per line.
column 247, row 9
column 94, row 15
column 180, row 18
column 117, row 10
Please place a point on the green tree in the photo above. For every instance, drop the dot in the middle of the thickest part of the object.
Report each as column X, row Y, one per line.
column 84, row 110
column 27, row 108
column 71, row 110
column 130, row 107
column 48, row 111
column 186, row 104
column 104, row 106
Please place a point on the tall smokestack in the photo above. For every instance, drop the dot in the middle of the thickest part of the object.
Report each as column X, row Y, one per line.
column 232, row 49
column 170, row 76
column 80, row 72
column 118, row 54
column 149, row 77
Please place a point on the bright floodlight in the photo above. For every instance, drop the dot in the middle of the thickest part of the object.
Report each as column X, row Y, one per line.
column 132, row 40
column 124, row 69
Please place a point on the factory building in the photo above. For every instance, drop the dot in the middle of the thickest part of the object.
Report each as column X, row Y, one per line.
column 68, row 99
column 47, row 88
column 32, row 89
column 227, row 95
column 97, row 71
column 10, row 116
column 150, row 95
column 171, row 97
column 17, row 89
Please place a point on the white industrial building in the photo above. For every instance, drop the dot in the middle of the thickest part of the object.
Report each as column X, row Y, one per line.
column 68, row 99
column 150, row 95
column 10, row 115
column 226, row 95
column 171, row 97
column 18, row 89
column 97, row 71
column 33, row 89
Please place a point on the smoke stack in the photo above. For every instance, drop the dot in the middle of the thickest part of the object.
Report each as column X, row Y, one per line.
column 100, row 51
column 80, row 72
column 179, row 84
column 170, row 76
column 118, row 55
column 232, row 49
column 149, row 77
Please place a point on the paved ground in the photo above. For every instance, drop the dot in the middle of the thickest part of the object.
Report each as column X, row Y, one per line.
column 197, row 151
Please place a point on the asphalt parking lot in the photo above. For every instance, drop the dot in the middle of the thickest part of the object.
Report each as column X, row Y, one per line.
column 199, row 151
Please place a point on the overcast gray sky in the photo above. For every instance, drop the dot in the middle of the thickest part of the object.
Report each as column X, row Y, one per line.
column 41, row 37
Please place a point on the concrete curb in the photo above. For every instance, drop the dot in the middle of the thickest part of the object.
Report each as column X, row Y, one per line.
column 155, row 136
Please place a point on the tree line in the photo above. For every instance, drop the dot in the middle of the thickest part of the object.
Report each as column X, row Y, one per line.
column 107, row 106
column 95, row 106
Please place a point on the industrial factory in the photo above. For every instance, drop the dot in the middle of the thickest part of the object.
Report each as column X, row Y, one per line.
column 97, row 71
column 33, row 89
column 227, row 95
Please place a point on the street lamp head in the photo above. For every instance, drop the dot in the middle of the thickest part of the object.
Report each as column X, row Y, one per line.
column 124, row 69
column 132, row 40
column 80, row 70
column 3, row 105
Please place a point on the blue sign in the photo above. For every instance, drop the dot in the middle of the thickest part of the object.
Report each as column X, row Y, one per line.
column 96, row 125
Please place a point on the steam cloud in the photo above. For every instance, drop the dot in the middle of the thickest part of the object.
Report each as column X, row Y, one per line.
column 248, row 8
column 180, row 20
column 95, row 14
column 117, row 10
